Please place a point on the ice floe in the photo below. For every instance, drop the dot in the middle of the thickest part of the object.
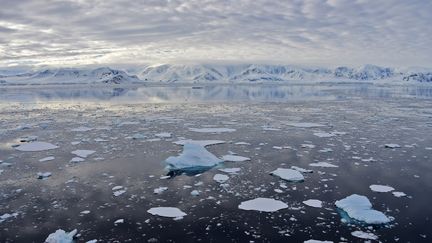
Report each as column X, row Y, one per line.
column 313, row 203
column 159, row 190
column 76, row 160
column 47, row 159
column 83, row 153
column 119, row 221
column 359, row 207
column 302, row 170
column 43, row 175
column 235, row 158
column 61, row 236
column 364, row 235
column 163, row 135
column 193, row 155
column 324, row 134
column 263, row 205
column 392, row 145
column 118, row 190
column 323, row 164
column 35, row 146
column 6, row 216
column 399, row 194
column 170, row 212
column 288, row 174
column 220, row 178
column 230, row 170
column 318, row 241
column 381, row 188
column 212, row 130
column 203, row 143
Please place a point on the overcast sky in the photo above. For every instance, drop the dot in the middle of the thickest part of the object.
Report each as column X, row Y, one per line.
column 327, row 32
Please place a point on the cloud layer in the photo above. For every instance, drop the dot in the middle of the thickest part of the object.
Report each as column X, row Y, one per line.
column 332, row 32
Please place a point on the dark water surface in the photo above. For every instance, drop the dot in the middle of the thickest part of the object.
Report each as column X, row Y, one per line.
column 367, row 117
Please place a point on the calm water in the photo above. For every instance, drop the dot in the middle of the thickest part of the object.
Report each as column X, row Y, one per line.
column 366, row 116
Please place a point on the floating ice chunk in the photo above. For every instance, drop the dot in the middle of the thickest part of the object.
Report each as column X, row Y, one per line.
column 268, row 128
column 230, row 170
column 43, row 175
column 60, row 236
column 304, row 124
column 85, row 212
column 203, row 143
column 76, row 160
column 75, row 142
column 381, row 188
column 119, row 221
column 6, row 216
column 263, row 205
column 242, row 143
column 81, row 129
column 35, row 146
column 325, row 150
column 364, row 235
column 163, row 135
column 193, row 155
column 47, row 159
column 159, row 190
column 195, row 193
column 83, row 153
column 392, row 145
column 324, row 134
column 360, row 208
column 220, row 178
column 139, row 136
column 118, row 190
column 92, row 241
column 323, row 164
column 28, row 139
column 318, row 241
column 307, row 145
column 399, row 194
column 313, row 203
column 128, row 123
column 235, row 158
column 100, row 140
column 301, row 169
column 288, row 174
column 212, row 130
column 169, row 212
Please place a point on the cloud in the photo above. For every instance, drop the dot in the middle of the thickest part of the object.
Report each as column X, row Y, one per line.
column 77, row 32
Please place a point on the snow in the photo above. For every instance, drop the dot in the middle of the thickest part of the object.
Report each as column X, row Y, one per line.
column 381, row 188
column 364, row 235
column 212, row 130
column 47, row 159
column 323, row 164
column 263, row 205
column 304, row 124
column 36, row 146
column 360, row 208
column 203, row 143
column 170, row 212
column 288, row 174
column 392, row 145
column 83, row 153
column 313, row 203
column 220, row 178
column 60, row 236
column 235, row 158
column 193, row 155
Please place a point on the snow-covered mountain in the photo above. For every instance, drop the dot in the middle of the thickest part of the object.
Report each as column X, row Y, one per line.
column 72, row 75
column 219, row 73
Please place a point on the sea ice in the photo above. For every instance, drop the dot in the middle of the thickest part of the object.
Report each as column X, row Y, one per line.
column 193, row 155
column 234, row 158
column 304, row 124
column 318, row 241
column 119, row 221
column 392, row 145
column 313, row 203
column 60, row 236
column 263, row 205
column 360, row 208
column 83, row 153
column 381, row 188
column 43, row 175
column 324, row 134
column 212, row 130
column 288, row 174
column 364, row 235
column 203, row 143
column 399, row 194
column 81, row 129
column 170, row 212
column 301, row 169
column 7, row 216
column 163, row 135
column 35, row 146
column 323, row 164
column 195, row 193
column 76, row 160
column 47, row 159
column 159, row 190
column 230, row 170
column 220, row 178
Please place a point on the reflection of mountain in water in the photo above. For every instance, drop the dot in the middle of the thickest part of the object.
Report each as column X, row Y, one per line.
column 218, row 93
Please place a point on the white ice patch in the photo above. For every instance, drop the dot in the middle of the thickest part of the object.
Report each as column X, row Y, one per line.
column 304, row 124
column 43, row 175
column 203, row 143
column 47, row 159
column 364, row 235
column 301, row 169
column 159, row 190
column 212, row 130
column 399, row 194
column 324, row 134
column 83, row 153
column 313, row 203
column 60, row 236
column 235, row 158
column 263, row 205
column 323, row 164
column 360, row 208
column 193, row 155
column 230, row 170
column 118, row 190
column 220, row 178
column 288, row 174
column 392, row 145
column 76, row 160
column 381, row 188
column 169, row 212
column 81, row 129
column 6, row 216
column 163, row 135
column 119, row 221
column 36, row 146
column 318, row 241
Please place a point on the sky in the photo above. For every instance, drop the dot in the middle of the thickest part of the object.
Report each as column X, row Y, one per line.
column 316, row 32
